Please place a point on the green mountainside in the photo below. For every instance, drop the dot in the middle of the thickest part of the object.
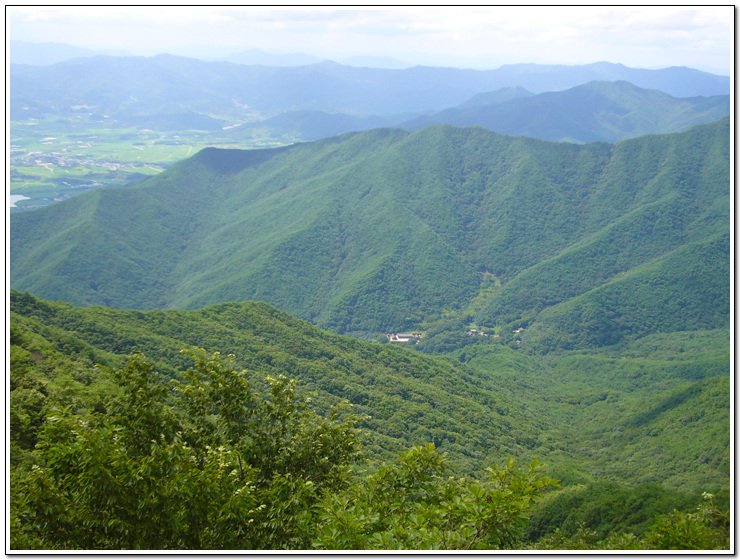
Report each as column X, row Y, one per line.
column 596, row 111
column 408, row 398
column 655, row 411
column 631, row 433
column 386, row 230
column 570, row 303
column 630, row 413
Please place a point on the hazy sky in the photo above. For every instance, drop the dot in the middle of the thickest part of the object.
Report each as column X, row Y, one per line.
column 651, row 37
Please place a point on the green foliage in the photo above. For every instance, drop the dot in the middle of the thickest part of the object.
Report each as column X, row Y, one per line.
column 405, row 398
column 224, row 468
column 687, row 286
column 708, row 528
column 203, row 474
column 48, row 372
column 652, row 410
column 604, row 508
column 655, row 410
column 411, row 505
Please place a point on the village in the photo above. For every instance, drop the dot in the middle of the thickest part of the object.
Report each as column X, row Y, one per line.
column 48, row 160
column 61, row 169
column 404, row 338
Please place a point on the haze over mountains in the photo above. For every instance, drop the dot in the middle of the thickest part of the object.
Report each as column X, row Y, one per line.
column 304, row 103
column 596, row 111
column 41, row 54
column 125, row 86
column 44, row 53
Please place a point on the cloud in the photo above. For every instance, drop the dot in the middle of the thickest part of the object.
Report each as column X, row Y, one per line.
column 665, row 35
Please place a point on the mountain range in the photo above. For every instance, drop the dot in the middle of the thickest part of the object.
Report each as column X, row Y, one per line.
column 596, row 111
column 384, row 230
column 129, row 86
column 260, row 57
column 41, row 54
column 592, row 112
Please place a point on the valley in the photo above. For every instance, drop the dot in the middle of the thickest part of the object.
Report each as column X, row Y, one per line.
column 647, row 421
column 606, row 360
column 333, row 307
column 56, row 158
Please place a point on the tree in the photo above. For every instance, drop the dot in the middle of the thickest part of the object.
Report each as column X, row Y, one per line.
column 412, row 505
column 708, row 528
column 204, row 465
column 210, row 463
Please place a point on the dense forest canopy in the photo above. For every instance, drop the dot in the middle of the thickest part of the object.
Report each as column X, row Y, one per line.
column 251, row 461
column 388, row 231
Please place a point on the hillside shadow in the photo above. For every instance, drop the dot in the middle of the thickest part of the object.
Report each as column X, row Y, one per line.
column 231, row 161
column 674, row 400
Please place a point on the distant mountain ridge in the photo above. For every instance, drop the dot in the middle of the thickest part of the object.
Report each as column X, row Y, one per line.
column 42, row 54
column 378, row 231
column 596, row 111
column 129, row 86
column 306, row 125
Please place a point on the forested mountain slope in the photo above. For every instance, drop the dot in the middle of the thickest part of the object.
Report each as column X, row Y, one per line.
column 408, row 398
column 379, row 231
column 656, row 411
column 596, row 111
column 127, row 456
column 652, row 411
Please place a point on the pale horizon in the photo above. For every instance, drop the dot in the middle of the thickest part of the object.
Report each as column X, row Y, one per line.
column 474, row 37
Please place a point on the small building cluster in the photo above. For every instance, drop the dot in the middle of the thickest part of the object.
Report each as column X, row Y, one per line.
column 404, row 337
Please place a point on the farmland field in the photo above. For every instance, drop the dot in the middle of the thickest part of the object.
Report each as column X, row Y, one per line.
column 54, row 159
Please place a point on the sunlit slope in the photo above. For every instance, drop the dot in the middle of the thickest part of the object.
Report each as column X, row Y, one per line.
column 377, row 231
column 408, row 398
column 655, row 410
column 685, row 287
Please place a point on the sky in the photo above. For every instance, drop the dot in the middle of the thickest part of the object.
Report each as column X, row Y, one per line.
column 475, row 37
